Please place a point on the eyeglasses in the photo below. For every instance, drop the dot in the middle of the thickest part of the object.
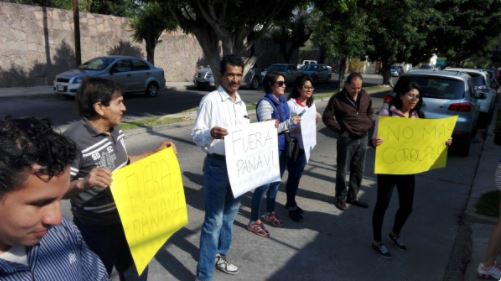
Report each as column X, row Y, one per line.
column 308, row 88
column 280, row 83
column 413, row 97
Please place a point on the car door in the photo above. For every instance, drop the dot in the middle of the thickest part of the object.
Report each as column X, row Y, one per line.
column 121, row 72
column 141, row 72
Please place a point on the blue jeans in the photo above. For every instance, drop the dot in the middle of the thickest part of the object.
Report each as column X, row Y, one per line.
column 271, row 190
column 220, row 210
column 350, row 152
column 109, row 243
column 295, row 169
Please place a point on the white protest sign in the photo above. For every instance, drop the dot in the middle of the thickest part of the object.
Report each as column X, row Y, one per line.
column 252, row 156
column 309, row 131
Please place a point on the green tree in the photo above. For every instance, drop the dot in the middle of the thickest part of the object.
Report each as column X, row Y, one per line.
column 227, row 26
column 292, row 33
column 148, row 25
column 399, row 31
column 120, row 8
column 341, row 31
column 469, row 26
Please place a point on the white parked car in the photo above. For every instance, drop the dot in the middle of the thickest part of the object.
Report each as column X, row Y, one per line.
column 481, row 83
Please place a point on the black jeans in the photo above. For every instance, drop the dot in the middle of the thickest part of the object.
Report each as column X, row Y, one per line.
column 405, row 188
column 350, row 152
column 109, row 243
column 295, row 169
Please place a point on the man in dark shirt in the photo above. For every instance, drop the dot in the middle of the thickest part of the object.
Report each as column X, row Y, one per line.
column 101, row 150
column 349, row 114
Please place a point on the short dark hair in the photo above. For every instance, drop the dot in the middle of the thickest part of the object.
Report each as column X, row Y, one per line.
column 404, row 89
column 353, row 76
column 94, row 90
column 28, row 141
column 298, row 84
column 269, row 80
column 230, row 60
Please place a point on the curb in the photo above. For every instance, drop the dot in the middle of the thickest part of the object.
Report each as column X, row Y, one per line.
column 191, row 114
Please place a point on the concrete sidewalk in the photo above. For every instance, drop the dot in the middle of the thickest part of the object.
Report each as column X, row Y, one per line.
column 481, row 226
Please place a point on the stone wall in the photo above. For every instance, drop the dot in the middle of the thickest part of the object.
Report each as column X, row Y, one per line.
column 36, row 43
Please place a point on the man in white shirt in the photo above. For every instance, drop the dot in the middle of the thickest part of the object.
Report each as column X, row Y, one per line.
column 218, row 111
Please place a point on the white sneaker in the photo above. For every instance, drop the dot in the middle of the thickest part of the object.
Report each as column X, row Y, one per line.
column 224, row 265
column 492, row 271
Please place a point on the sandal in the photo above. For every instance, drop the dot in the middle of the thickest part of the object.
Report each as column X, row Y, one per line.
column 272, row 219
column 257, row 228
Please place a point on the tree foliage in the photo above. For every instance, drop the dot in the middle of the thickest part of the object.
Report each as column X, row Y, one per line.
column 227, row 26
column 469, row 26
column 292, row 33
column 341, row 31
column 121, row 8
column 398, row 31
column 148, row 24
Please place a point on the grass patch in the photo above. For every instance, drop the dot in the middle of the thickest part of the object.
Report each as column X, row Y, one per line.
column 149, row 122
column 488, row 204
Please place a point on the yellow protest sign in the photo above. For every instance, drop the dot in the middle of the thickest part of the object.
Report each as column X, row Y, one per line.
column 150, row 200
column 412, row 145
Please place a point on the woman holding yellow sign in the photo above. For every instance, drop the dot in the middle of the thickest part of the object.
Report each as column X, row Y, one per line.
column 406, row 104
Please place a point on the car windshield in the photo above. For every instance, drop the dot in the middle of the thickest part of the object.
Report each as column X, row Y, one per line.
column 310, row 67
column 478, row 80
column 96, row 64
column 435, row 87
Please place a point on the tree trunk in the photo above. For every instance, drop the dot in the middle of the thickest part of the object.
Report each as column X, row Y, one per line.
column 212, row 52
column 76, row 24
column 150, row 51
column 342, row 71
column 385, row 70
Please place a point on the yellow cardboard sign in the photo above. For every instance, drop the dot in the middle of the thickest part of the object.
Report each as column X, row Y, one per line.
column 150, row 200
column 412, row 145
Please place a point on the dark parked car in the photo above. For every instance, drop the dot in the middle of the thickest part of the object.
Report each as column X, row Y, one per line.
column 134, row 74
column 396, row 70
column 290, row 71
column 317, row 72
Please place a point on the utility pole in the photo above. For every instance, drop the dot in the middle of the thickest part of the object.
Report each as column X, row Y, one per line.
column 76, row 24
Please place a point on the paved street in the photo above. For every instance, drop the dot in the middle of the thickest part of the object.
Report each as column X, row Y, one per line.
column 329, row 244
column 61, row 110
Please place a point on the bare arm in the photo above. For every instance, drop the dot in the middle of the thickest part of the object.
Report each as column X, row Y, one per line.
column 98, row 177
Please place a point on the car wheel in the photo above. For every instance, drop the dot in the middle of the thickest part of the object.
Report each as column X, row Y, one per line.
column 255, row 84
column 152, row 89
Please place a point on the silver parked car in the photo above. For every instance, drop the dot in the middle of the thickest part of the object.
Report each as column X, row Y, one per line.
column 445, row 94
column 481, row 84
column 204, row 78
column 132, row 73
column 317, row 72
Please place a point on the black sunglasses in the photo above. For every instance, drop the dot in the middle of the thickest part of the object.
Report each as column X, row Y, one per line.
column 280, row 83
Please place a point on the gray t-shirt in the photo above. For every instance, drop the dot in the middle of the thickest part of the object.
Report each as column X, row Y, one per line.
column 95, row 205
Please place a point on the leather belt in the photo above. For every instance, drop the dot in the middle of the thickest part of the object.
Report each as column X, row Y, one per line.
column 217, row 156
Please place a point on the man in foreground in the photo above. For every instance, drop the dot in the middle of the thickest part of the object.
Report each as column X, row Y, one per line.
column 219, row 110
column 36, row 243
